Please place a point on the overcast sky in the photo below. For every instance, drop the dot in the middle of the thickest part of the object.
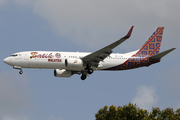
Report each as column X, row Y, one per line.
column 86, row 25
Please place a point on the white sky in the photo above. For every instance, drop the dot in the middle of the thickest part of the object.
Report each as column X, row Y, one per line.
column 85, row 25
column 145, row 97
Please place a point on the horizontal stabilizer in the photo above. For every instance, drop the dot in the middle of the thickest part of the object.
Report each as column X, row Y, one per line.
column 162, row 54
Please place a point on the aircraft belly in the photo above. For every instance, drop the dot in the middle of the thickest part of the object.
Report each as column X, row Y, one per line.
column 75, row 68
column 110, row 63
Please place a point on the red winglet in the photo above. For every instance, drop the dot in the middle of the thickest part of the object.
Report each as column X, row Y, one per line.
column 129, row 33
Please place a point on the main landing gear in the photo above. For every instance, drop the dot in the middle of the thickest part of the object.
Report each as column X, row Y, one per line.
column 85, row 73
column 83, row 77
column 90, row 71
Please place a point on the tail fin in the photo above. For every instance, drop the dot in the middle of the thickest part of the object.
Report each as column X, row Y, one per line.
column 152, row 45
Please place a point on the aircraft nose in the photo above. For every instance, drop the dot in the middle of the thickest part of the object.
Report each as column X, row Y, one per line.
column 6, row 60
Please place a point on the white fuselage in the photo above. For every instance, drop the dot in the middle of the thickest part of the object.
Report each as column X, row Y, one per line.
column 65, row 64
column 56, row 60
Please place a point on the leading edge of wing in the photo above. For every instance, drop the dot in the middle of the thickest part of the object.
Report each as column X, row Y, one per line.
column 107, row 49
column 118, row 42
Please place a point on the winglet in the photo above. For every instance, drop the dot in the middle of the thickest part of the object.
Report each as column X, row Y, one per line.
column 129, row 33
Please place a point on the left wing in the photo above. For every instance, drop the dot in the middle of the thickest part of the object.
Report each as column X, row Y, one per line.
column 94, row 58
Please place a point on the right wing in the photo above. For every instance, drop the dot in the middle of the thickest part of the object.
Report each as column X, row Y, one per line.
column 94, row 58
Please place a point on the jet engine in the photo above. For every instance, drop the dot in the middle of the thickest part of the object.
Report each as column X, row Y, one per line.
column 72, row 62
column 62, row 73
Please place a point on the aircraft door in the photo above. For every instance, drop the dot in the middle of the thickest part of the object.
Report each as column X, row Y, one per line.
column 26, row 60
column 26, row 57
column 33, row 63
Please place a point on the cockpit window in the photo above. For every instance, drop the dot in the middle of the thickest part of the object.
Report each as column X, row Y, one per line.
column 14, row 55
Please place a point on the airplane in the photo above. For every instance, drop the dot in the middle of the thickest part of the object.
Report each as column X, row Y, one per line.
column 65, row 64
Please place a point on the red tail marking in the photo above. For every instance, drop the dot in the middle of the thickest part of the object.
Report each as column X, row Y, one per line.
column 149, row 40
column 141, row 48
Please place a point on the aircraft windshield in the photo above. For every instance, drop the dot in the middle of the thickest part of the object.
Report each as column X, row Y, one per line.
column 14, row 55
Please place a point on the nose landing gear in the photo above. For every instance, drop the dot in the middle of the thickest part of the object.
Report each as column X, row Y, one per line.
column 20, row 72
column 19, row 68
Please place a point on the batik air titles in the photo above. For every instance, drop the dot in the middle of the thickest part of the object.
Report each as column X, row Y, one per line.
column 65, row 64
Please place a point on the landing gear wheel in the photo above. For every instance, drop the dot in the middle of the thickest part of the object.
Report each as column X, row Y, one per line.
column 90, row 71
column 21, row 72
column 83, row 77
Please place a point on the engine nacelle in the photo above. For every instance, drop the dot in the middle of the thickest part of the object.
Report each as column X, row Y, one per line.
column 72, row 62
column 62, row 73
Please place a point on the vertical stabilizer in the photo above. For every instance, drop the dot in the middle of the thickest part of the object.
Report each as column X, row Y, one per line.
column 146, row 54
column 152, row 45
